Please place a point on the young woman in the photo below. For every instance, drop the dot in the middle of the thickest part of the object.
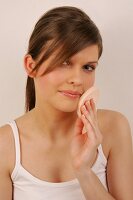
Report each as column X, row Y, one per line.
column 43, row 154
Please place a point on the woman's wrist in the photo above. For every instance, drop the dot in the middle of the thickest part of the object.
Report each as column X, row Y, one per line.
column 82, row 173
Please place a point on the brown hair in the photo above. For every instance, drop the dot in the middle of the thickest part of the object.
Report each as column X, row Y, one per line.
column 66, row 28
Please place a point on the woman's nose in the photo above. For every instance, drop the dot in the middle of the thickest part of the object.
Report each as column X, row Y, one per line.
column 75, row 77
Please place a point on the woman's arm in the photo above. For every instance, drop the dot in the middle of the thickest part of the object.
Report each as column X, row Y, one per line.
column 119, row 168
column 5, row 181
column 92, row 187
column 120, row 162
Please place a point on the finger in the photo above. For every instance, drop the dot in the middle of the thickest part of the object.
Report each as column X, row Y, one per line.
column 92, row 122
column 89, row 109
column 88, row 128
column 91, row 134
column 78, row 127
column 87, row 115
column 93, row 106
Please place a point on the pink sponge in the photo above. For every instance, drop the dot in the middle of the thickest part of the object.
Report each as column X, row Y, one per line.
column 91, row 93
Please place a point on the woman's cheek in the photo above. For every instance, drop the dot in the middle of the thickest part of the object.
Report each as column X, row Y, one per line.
column 56, row 76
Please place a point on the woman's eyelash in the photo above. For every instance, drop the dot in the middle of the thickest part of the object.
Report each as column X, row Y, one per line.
column 86, row 67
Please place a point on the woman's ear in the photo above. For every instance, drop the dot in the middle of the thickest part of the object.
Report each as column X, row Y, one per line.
column 29, row 65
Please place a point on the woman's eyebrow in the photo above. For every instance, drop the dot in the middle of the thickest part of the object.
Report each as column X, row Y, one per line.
column 92, row 62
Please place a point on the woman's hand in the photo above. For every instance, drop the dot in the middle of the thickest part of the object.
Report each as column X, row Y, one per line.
column 84, row 146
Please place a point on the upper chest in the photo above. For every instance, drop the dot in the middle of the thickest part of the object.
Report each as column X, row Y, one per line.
column 49, row 163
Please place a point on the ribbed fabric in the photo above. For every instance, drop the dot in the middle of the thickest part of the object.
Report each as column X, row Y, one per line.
column 28, row 187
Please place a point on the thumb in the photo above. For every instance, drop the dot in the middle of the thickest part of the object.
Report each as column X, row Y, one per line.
column 78, row 127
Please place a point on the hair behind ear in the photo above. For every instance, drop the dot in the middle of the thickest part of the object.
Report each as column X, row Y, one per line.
column 30, row 94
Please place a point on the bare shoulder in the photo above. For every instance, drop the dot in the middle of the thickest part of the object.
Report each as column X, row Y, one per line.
column 117, row 135
column 115, row 128
column 6, row 147
column 114, row 121
column 5, row 137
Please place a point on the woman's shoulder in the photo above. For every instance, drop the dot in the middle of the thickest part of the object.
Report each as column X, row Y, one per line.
column 112, row 119
column 22, row 122
column 5, row 135
column 6, row 147
column 114, row 125
column 7, row 143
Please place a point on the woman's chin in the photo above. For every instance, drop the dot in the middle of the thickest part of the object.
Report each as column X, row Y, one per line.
column 68, row 109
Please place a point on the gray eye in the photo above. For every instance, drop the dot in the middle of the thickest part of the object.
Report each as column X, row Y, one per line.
column 89, row 67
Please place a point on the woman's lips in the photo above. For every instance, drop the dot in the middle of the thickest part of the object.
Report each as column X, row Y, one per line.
column 70, row 95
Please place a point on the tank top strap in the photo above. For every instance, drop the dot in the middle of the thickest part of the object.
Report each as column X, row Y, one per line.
column 101, row 154
column 16, row 139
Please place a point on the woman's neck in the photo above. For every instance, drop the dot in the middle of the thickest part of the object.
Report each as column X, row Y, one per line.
column 55, row 125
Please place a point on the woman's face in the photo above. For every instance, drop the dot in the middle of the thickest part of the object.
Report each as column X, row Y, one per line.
column 76, row 74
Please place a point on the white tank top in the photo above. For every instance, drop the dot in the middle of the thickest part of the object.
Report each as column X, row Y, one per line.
column 28, row 187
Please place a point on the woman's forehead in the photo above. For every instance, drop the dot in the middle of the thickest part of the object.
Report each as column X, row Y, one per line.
column 89, row 54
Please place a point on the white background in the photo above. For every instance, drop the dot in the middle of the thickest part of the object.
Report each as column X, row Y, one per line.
column 114, row 76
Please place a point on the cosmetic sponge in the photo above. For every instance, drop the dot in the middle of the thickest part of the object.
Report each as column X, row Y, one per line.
column 91, row 93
